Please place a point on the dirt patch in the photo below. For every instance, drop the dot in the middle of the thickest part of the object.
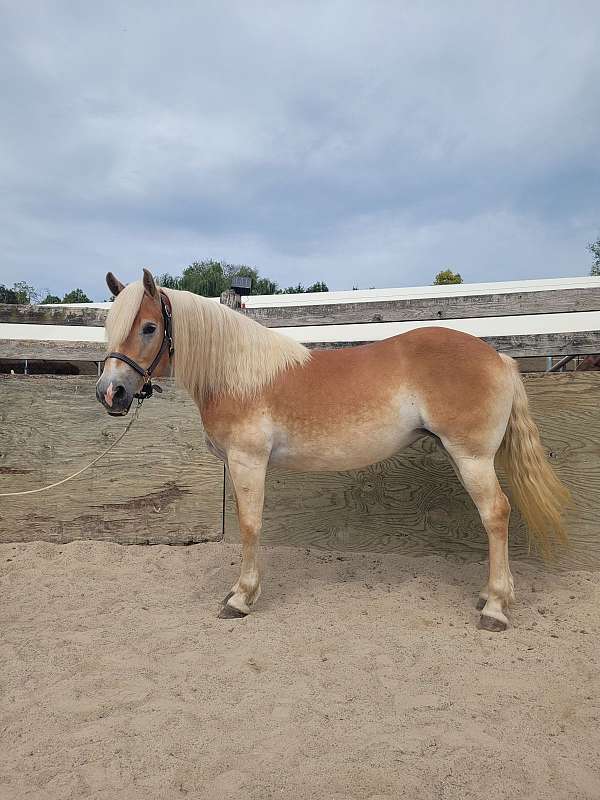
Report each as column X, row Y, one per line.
column 358, row 676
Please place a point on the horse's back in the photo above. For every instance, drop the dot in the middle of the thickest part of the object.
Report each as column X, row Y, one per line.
column 421, row 360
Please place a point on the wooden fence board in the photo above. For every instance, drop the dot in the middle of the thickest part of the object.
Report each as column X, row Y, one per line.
column 430, row 308
column 159, row 485
column 48, row 350
column 52, row 315
column 540, row 344
column 556, row 344
column 414, row 504
column 419, row 308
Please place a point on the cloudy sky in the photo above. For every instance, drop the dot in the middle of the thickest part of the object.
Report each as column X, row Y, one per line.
column 362, row 143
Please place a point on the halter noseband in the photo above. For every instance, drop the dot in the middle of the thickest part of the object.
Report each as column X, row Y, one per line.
column 167, row 343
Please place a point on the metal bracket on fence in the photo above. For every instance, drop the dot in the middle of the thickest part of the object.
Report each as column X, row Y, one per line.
column 560, row 364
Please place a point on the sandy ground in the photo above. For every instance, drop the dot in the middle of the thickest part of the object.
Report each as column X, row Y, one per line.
column 358, row 676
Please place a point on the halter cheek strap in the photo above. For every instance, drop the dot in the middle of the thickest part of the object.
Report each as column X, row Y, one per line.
column 166, row 344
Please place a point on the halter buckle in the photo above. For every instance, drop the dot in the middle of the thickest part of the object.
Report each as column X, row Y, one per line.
column 147, row 391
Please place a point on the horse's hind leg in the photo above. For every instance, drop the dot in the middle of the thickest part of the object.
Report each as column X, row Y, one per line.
column 478, row 476
column 483, row 594
column 248, row 478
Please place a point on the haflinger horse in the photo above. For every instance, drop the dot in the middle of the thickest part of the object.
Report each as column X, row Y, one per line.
column 267, row 400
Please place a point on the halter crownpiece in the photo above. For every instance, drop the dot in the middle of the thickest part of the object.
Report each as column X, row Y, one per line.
column 167, row 343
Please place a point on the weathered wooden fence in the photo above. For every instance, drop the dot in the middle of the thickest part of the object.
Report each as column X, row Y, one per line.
column 162, row 485
column 159, row 485
column 571, row 322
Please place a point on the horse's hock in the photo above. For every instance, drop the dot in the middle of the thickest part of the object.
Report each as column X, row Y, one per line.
column 161, row 485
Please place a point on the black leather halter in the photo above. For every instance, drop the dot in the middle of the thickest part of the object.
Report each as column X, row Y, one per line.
column 167, row 343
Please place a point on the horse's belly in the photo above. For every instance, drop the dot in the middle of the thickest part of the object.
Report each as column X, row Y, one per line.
column 343, row 447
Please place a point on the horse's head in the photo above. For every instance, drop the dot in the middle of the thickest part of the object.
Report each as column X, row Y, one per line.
column 139, row 340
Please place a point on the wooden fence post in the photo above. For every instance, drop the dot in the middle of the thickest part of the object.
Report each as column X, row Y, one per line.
column 231, row 298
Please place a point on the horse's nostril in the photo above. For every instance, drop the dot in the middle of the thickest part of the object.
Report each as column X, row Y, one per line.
column 119, row 393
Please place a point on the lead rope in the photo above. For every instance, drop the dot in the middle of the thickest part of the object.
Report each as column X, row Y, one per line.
column 83, row 469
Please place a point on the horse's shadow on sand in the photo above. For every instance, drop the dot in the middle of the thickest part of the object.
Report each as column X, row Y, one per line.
column 292, row 576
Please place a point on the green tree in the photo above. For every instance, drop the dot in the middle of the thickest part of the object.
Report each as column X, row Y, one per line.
column 319, row 286
column 76, row 296
column 7, row 295
column 594, row 248
column 446, row 276
column 21, row 293
column 211, row 278
column 25, row 292
column 205, row 277
column 265, row 286
column 168, row 281
column 50, row 299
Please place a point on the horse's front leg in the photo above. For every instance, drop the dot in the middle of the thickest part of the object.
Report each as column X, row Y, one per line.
column 248, row 477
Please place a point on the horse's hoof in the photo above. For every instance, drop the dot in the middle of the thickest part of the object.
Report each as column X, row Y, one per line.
column 229, row 612
column 491, row 623
column 481, row 603
column 226, row 598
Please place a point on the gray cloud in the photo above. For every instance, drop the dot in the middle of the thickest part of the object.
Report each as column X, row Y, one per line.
column 363, row 143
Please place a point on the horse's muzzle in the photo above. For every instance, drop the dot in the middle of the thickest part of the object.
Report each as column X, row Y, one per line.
column 116, row 400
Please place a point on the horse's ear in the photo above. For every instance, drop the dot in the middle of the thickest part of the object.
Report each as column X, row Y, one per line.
column 149, row 284
column 114, row 284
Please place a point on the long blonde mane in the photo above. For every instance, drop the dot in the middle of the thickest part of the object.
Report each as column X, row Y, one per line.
column 217, row 350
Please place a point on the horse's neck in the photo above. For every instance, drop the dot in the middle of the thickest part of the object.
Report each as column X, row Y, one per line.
column 220, row 351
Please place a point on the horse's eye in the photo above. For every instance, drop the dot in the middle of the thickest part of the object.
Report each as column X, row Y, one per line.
column 149, row 328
